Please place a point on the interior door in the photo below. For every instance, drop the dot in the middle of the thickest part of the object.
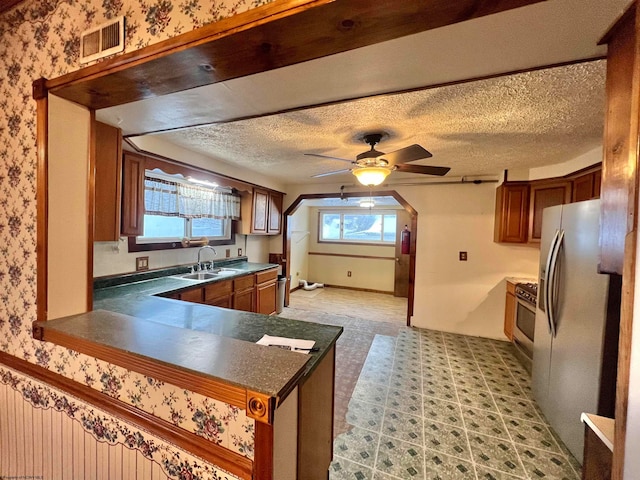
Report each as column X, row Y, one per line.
column 401, row 282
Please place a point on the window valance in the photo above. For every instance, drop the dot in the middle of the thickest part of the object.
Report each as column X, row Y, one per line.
column 179, row 198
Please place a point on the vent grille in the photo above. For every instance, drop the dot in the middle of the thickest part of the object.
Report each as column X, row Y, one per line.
column 103, row 40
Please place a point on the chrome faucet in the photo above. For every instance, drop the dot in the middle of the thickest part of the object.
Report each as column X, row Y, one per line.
column 200, row 251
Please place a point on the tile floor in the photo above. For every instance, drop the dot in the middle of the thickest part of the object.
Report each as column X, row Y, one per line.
column 433, row 405
column 421, row 404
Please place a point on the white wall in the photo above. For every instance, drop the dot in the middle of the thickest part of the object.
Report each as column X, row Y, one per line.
column 68, row 235
column 111, row 258
column 462, row 297
column 561, row 169
column 300, row 234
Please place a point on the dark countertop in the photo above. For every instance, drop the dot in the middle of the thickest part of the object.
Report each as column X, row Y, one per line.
column 210, row 341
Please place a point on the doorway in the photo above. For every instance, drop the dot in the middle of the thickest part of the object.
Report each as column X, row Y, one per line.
column 404, row 264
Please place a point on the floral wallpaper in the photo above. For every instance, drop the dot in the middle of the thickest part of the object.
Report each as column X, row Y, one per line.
column 40, row 38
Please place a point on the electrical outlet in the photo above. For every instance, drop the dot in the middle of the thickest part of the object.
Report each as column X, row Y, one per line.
column 239, row 252
column 142, row 263
column 463, row 256
column 349, row 273
column 227, row 253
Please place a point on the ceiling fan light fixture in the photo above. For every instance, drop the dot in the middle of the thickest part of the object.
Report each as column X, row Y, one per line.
column 371, row 176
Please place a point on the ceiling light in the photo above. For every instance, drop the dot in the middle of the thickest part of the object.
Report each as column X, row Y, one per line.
column 371, row 176
column 367, row 203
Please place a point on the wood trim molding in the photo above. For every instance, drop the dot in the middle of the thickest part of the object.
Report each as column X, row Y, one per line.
column 369, row 257
column 91, row 205
column 173, row 375
column 42, row 199
column 233, row 462
column 264, row 38
column 356, row 289
column 263, row 459
column 260, row 407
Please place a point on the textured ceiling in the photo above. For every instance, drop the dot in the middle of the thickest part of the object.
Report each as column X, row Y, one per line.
column 479, row 128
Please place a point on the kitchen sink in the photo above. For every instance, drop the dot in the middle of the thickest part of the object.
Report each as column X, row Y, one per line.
column 223, row 271
column 197, row 276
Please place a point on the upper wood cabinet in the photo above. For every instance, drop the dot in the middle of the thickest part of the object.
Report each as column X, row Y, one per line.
column 519, row 205
column 543, row 194
column 587, row 186
column 108, row 174
column 512, row 213
column 261, row 212
column 133, row 166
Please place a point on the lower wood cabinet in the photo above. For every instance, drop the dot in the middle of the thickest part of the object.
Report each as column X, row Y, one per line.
column 266, row 291
column 244, row 293
column 256, row 292
column 509, row 310
column 219, row 294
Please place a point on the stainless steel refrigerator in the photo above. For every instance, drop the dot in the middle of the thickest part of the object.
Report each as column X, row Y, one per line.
column 574, row 323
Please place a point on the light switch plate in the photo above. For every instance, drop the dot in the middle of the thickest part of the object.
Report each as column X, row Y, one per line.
column 239, row 252
column 463, row 256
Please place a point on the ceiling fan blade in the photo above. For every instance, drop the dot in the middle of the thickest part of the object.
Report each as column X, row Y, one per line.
column 345, row 170
column 327, row 156
column 407, row 154
column 424, row 169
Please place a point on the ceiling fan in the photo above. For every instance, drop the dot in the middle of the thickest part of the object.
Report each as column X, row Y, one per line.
column 372, row 167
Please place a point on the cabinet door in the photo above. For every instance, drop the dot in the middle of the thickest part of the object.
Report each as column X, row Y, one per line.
column 543, row 195
column 224, row 302
column 108, row 171
column 266, row 298
column 275, row 213
column 194, row 295
column 243, row 300
column 214, row 291
column 512, row 210
column 259, row 211
column 132, row 195
column 509, row 315
column 587, row 186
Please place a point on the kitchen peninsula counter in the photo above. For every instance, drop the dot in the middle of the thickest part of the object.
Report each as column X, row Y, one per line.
column 212, row 351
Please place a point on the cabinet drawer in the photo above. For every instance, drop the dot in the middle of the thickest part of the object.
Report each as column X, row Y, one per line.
column 216, row 290
column 266, row 276
column 243, row 283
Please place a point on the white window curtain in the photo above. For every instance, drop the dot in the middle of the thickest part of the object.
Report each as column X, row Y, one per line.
column 178, row 199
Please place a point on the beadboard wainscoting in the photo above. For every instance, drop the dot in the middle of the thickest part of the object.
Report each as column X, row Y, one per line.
column 46, row 434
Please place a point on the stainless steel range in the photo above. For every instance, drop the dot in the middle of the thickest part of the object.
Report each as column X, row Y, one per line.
column 525, row 321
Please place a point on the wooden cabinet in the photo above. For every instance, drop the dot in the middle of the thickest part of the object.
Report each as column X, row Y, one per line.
column 509, row 310
column 543, row 194
column 250, row 293
column 133, row 166
column 244, row 293
column 261, row 212
column 108, row 175
column 193, row 295
column 586, row 186
column 519, row 205
column 266, row 291
column 512, row 213
column 219, row 294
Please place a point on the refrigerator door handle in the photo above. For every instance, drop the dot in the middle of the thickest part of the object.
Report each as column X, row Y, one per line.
column 546, row 297
column 553, row 287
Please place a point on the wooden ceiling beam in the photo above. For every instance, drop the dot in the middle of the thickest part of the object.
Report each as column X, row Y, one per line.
column 265, row 38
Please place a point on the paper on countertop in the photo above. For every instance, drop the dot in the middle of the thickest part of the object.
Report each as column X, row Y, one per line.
column 294, row 343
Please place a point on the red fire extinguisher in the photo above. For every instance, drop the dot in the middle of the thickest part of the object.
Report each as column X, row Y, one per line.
column 405, row 240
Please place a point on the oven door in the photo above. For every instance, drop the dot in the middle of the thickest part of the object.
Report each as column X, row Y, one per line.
column 525, row 325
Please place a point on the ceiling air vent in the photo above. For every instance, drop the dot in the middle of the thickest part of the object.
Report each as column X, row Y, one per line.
column 103, row 40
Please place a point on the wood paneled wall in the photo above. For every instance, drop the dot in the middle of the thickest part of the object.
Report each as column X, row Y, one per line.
column 47, row 444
